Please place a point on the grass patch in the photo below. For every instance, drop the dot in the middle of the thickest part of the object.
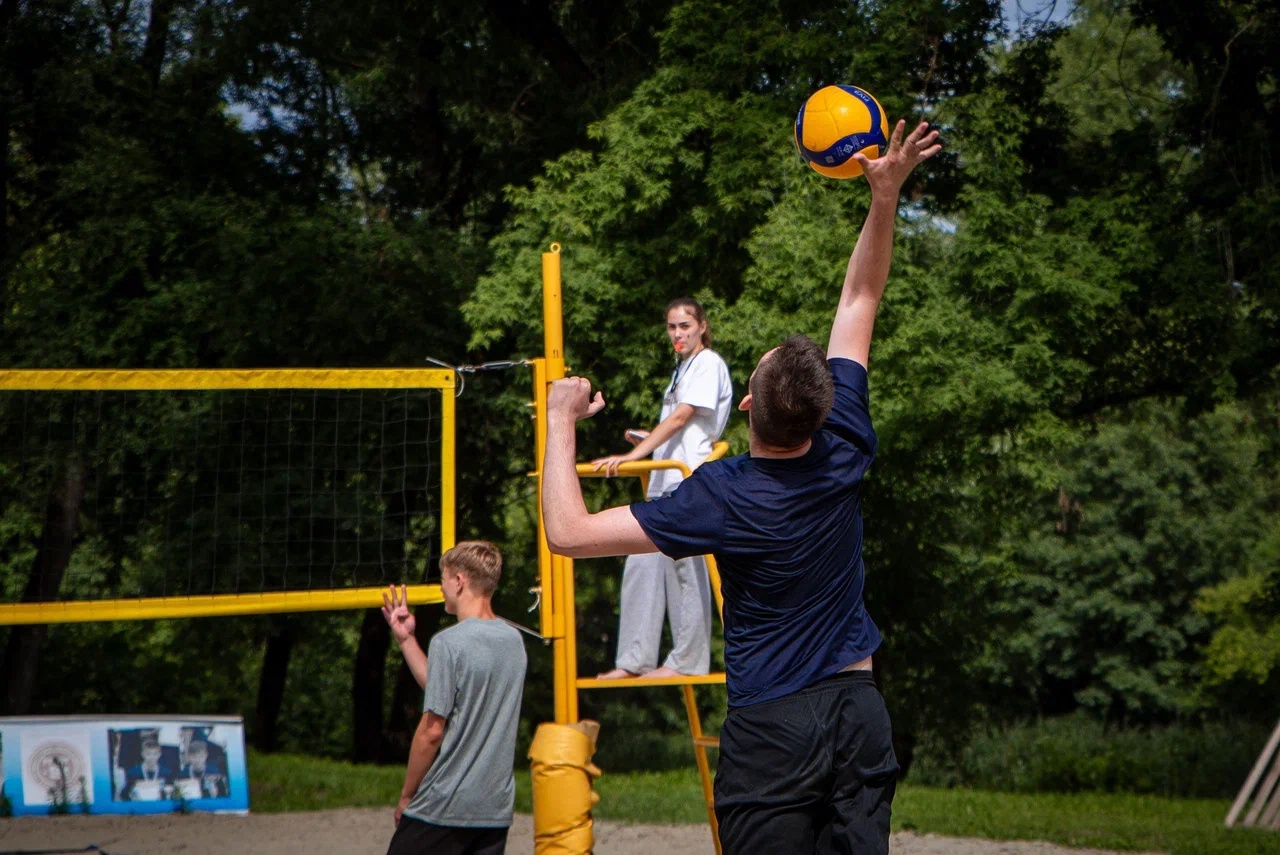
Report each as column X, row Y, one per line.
column 281, row 783
column 1109, row 821
column 1103, row 820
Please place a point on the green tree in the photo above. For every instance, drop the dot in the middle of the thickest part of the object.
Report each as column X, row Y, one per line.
column 1152, row 509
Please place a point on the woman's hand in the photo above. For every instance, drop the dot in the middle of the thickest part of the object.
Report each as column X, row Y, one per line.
column 610, row 464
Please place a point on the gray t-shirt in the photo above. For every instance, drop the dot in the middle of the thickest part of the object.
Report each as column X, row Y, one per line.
column 475, row 678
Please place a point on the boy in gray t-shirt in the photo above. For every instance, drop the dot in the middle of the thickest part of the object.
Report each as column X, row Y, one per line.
column 458, row 789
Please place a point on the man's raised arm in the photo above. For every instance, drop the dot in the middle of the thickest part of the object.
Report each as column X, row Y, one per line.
column 868, row 270
column 571, row 530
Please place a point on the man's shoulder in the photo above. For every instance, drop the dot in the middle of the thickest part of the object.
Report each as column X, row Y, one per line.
column 716, row 473
column 848, row 370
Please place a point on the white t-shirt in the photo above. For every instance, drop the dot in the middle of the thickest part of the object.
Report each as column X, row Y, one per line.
column 701, row 381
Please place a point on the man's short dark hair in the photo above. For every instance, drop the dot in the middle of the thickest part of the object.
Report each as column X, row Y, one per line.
column 791, row 393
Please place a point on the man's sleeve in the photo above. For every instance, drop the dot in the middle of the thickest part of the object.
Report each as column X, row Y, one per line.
column 850, row 417
column 701, row 388
column 688, row 522
column 441, row 684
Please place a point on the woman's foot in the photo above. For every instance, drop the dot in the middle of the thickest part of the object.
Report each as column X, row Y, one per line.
column 664, row 671
column 617, row 674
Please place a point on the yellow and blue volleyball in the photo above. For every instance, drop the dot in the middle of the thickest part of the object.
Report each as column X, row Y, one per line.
column 836, row 123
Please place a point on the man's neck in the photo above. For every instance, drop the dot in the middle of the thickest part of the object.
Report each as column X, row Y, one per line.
column 773, row 452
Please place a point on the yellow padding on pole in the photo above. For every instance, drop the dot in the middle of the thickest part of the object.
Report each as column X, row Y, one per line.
column 562, row 796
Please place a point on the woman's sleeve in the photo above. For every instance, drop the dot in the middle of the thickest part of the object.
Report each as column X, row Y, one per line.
column 701, row 388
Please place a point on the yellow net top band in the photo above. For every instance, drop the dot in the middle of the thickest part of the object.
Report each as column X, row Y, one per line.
column 71, row 380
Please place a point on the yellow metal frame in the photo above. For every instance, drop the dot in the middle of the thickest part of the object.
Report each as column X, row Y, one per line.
column 179, row 379
column 155, row 608
column 214, row 605
column 555, row 573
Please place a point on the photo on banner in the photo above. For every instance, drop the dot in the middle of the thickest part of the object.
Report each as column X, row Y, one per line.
column 123, row 765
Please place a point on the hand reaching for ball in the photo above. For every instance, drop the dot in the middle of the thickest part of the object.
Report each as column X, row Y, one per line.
column 886, row 173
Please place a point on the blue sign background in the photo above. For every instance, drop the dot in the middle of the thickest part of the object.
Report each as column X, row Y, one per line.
column 36, row 740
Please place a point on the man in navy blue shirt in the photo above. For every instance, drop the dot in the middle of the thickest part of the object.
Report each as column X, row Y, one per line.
column 806, row 759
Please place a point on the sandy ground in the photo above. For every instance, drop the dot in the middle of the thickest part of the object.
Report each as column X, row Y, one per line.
column 366, row 831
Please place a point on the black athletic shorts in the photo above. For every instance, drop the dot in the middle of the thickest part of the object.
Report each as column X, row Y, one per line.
column 415, row 837
column 811, row 772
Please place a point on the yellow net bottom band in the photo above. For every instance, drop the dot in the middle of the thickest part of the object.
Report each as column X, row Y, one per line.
column 157, row 608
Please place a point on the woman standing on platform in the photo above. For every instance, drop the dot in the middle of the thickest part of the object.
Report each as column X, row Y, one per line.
column 695, row 409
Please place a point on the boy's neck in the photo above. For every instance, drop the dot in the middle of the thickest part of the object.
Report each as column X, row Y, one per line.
column 481, row 608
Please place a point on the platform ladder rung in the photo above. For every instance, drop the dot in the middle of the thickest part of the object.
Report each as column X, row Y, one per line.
column 707, row 741
column 635, row 682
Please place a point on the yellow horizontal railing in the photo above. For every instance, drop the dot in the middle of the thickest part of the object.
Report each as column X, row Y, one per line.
column 212, row 605
column 104, row 379
column 641, row 469
column 644, row 467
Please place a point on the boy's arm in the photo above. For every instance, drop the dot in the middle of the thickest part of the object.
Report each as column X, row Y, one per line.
column 868, row 269
column 571, row 529
column 395, row 610
column 422, row 753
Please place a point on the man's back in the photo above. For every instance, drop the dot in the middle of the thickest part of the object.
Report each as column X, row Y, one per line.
column 475, row 679
column 787, row 534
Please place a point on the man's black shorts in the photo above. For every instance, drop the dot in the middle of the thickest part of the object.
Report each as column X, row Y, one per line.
column 415, row 837
column 811, row 772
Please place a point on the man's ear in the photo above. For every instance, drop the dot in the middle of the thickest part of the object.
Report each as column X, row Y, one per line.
column 745, row 403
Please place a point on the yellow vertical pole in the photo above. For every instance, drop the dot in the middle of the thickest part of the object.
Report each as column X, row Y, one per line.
column 546, row 582
column 552, row 314
column 448, row 472
column 563, row 620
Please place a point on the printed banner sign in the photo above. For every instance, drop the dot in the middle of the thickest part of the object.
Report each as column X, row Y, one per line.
column 123, row 765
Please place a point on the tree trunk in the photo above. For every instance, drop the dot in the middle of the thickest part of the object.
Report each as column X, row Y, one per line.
column 153, row 52
column 8, row 9
column 367, row 688
column 275, row 668
column 22, row 652
column 406, row 709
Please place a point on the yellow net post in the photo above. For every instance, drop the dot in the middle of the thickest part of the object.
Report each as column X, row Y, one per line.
column 558, row 569
column 562, row 794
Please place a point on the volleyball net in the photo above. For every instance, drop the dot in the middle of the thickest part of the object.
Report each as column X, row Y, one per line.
column 152, row 494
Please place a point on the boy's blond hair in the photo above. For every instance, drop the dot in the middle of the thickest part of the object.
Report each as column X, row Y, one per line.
column 479, row 560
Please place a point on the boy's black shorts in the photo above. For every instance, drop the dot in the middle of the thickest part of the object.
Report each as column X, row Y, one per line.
column 415, row 837
column 811, row 772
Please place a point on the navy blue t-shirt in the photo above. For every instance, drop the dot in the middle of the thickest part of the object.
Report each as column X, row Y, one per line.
column 787, row 535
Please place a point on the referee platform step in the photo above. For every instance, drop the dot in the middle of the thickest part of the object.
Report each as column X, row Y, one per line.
column 634, row 682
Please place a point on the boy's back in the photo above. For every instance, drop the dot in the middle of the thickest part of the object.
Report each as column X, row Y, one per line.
column 475, row 678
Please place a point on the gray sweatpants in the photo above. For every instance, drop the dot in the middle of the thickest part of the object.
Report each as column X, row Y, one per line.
column 654, row 584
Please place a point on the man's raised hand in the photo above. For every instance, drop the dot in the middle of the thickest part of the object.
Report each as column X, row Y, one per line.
column 887, row 172
column 572, row 397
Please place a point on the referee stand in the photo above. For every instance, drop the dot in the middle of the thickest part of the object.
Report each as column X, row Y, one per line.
column 557, row 610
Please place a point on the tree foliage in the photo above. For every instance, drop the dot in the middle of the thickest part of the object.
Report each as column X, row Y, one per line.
column 1075, row 368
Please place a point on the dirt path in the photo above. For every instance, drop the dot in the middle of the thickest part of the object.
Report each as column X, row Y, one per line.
column 366, row 831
